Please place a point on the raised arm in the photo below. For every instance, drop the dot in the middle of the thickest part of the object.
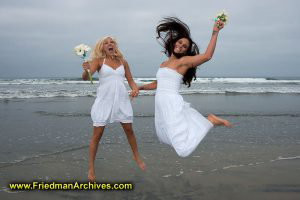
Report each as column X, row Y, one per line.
column 150, row 86
column 194, row 61
column 92, row 66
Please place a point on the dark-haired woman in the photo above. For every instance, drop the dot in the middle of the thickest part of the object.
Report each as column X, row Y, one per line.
column 176, row 123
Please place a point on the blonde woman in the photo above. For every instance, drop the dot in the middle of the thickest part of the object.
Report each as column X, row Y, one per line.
column 112, row 103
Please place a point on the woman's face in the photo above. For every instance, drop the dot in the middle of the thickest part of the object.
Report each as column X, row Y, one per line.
column 181, row 46
column 109, row 47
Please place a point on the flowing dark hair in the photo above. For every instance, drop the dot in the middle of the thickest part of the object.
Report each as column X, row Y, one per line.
column 169, row 31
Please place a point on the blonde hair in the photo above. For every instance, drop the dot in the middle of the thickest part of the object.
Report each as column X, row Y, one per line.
column 98, row 51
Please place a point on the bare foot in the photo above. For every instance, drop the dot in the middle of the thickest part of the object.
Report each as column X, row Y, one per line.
column 219, row 121
column 91, row 176
column 140, row 163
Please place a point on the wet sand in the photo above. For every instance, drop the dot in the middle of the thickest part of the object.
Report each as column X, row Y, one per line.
column 257, row 159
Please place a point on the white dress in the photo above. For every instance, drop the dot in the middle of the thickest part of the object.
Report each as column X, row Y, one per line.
column 112, row 103
column 176, row 123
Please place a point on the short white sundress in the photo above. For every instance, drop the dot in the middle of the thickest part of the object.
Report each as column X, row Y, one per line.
column 112, row 103
column 176, row 123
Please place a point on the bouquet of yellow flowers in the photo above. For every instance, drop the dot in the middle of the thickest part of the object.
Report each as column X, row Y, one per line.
column 222, row 16
column 81, row 50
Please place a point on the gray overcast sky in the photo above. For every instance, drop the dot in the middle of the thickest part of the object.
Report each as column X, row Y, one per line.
column 37, row 37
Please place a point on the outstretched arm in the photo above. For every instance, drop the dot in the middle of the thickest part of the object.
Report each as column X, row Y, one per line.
column 150, row 86
column 194, row 61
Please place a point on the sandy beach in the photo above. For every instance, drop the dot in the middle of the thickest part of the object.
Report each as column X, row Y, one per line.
column 257, row 159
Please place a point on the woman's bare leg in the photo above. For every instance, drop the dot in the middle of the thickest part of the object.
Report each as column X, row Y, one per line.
column 132, row 141
column 217, row 121
column 94, row 143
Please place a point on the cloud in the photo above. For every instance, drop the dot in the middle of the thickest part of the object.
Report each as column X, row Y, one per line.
column 260, row 39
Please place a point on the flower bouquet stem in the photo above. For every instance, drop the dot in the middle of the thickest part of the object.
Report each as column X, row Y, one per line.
column 89, row 72
column 90, row 76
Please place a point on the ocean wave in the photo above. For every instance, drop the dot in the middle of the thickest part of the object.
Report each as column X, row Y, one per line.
column 26, row 158
column 86, row 114
column 230, row 80
column 43, row 81
column 61, row 81
column 63, row 114
column 245, row 80
column 28, row 94
column 50, row 88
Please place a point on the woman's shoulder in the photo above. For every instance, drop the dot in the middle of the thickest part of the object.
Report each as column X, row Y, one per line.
column 163, row 64
column 123, row 61
column 98, row 61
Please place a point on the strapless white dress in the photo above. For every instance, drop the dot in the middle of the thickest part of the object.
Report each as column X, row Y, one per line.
column 176, row 123
column 112, row 103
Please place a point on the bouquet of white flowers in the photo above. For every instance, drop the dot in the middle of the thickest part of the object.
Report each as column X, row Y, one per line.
column 81, row 50
column 222, row 16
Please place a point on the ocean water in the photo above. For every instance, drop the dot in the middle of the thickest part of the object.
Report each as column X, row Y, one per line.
column 35, row 112
column 45, row 125
column 72, row 87
column 48, row 117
